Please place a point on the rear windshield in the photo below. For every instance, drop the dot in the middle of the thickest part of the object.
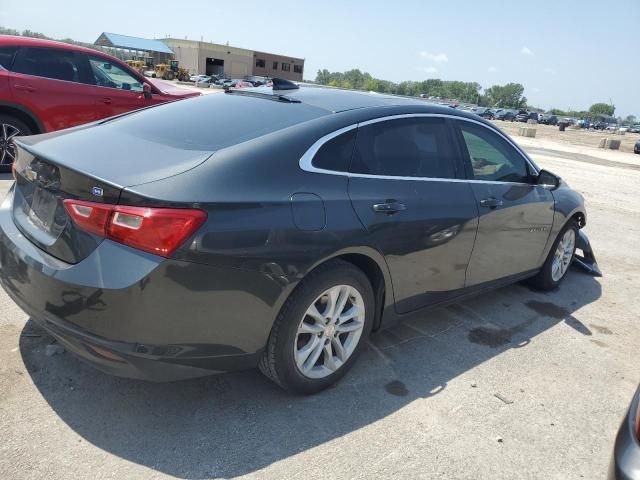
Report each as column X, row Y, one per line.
column 213, row 121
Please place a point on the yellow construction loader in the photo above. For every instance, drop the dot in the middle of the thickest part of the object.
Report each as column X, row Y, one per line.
column 170, row 71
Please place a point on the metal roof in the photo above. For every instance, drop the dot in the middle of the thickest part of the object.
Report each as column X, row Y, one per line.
column 116, row 40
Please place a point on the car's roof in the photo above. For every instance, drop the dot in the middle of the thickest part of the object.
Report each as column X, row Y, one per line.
column 41, row 42
column 339, row 100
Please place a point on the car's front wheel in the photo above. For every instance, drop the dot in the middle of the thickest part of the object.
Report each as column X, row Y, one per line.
column 10, row 127
column 321, row 329
column 559, row 260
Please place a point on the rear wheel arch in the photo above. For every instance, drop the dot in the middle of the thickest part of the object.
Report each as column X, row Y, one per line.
column 24, row 115
column 373, row 265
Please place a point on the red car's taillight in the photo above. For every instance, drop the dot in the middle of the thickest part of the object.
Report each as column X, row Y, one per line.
column 156, row 230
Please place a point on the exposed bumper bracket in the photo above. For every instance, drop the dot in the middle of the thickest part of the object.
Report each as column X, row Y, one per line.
column 586, row 261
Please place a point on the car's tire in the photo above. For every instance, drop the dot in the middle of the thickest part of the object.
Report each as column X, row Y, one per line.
column 10, row 127
column 560, row 257
column 297, row 336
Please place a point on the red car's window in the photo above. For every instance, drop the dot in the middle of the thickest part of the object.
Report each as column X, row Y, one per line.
column 48, row 63
column 6, row 57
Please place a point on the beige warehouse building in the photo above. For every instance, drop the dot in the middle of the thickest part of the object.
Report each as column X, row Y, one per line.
column 212, row 58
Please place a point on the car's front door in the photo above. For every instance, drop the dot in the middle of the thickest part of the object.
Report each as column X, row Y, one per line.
column 406, row 187
column 52, row 83
column 117, row 90
column 515, row 214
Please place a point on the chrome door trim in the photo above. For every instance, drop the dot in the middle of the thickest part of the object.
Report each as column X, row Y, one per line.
column 306, row 161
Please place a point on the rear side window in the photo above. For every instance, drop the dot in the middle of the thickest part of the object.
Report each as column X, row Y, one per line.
column 408, row 147
column 336, row 153
column 6, row 57
column 48, row 63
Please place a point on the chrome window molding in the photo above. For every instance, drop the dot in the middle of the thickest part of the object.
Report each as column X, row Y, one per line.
column 306, row 161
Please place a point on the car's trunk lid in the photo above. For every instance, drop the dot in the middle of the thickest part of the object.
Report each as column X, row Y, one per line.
column 44, row 181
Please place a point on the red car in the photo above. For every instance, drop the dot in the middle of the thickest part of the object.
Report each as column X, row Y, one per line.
column 47, row 86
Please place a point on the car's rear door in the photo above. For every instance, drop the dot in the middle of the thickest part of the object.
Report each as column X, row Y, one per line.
column 405, row 186
column 51, row 83
column 515, row 214
column 117, row 90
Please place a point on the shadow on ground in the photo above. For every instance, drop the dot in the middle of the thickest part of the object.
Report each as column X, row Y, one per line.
column 229, row 425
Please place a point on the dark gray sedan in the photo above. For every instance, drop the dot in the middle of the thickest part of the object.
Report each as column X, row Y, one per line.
column 273, row 228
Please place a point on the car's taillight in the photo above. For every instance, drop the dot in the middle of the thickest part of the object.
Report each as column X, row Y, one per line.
column 156, row 230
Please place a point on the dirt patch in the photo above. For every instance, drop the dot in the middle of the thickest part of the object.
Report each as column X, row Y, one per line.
column 489, row 336
column 397, row 388
column 600, row 329
column 548, row 309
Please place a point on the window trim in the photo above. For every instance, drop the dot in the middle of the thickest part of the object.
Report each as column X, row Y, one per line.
column 306, row 161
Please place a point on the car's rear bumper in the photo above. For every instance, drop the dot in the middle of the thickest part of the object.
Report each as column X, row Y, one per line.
column 137, row 315
column 625, row 464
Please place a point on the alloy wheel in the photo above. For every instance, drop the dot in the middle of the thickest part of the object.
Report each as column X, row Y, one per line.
column 7, row 147
column 563, row 255
column 329, row 331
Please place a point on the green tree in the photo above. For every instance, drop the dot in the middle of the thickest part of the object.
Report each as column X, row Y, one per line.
column 602, row 109
column 510, row 95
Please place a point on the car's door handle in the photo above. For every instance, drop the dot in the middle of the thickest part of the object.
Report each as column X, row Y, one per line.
column 491, row 202
column 389, row 207
column 106, row 100
column 25, row 88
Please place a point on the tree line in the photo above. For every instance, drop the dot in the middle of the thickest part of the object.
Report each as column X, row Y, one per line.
column 510, row 95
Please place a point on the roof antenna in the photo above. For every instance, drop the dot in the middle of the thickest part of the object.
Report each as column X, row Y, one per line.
column 282, row 84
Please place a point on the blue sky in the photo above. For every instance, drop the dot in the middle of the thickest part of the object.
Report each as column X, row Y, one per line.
column 563, row 52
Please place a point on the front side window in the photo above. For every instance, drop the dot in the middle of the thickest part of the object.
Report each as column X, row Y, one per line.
column 286, row 67
column 47, row 62
column 491, row 157
column 6, row 57
column 110, row 75
column 336, row 153
column 407, row 147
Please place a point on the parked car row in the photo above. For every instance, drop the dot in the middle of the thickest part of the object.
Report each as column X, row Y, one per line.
column 213, row 81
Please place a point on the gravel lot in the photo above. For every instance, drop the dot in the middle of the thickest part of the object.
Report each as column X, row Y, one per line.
column 511, row 384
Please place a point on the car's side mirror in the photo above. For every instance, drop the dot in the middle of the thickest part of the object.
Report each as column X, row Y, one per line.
column 146, row 90
column 548, row 179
